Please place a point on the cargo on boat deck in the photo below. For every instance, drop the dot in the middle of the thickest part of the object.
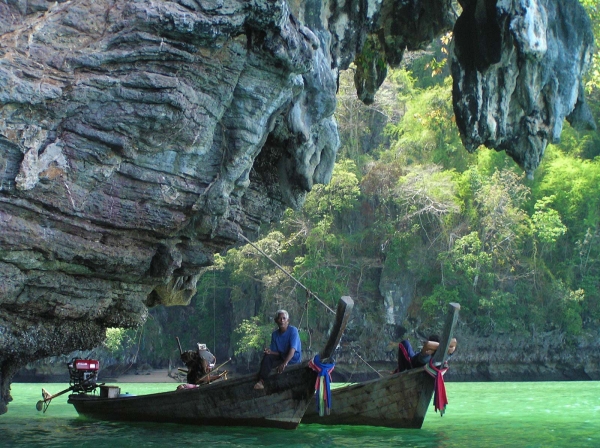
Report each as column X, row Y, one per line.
column 110, row 391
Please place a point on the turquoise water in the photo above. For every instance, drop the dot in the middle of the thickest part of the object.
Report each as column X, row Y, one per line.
column 544, row 414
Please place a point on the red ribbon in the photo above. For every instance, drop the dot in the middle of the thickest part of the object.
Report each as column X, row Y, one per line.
column 440, row 399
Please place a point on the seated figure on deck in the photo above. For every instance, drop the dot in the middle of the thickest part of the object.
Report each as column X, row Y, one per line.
column 199, row 363
column 285, row 348
column 408, row 359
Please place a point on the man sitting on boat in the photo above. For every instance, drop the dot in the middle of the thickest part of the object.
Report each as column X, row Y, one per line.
column 408, row 359
column 285, row 348
column 199, row 363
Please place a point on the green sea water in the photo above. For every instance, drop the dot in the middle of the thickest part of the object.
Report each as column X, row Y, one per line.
column 544, row 414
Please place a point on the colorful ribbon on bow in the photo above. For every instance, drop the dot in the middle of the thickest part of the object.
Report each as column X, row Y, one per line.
column 322, row 385
column 440, row 399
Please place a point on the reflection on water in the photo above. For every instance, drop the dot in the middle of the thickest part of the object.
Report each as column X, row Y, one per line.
column 479, row 415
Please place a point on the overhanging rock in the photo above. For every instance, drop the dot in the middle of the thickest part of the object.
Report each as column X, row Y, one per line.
column 517, row 67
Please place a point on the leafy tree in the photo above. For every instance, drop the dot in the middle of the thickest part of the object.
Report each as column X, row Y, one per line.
column 252, row 336
column 121, row 343
column 547, row 224
column 337, row 197
column 116, row 340
column 467, row 259
column 593, row 10
column 427, row 132
column 426, row 190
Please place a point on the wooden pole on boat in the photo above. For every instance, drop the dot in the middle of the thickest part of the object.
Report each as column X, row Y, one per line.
column 342, row 315
column 441, row 353
column 213, row 370
column 179, row 344
column 43, row 404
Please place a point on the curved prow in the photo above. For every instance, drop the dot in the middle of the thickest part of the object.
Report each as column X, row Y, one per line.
column 342, row 315
column 448, row 334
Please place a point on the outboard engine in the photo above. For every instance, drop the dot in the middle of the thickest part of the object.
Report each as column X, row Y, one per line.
column 83, row 374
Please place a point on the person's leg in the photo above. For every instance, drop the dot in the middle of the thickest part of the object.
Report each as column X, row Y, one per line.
column 267, row 364
column 420, row 359
column 405, row 354
column 408, row 348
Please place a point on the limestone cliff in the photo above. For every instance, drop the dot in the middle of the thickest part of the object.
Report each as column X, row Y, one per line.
column 138, row 138
column 517, row 70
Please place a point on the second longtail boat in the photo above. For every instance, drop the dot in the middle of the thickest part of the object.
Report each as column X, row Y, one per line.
column 400, row 400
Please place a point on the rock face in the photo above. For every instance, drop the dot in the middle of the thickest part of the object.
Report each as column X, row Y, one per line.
column 140, row 137
column 517, row 70
column 539, row 357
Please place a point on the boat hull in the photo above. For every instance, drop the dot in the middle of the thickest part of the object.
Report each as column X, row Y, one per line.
column 398, row 401
column 232, row 402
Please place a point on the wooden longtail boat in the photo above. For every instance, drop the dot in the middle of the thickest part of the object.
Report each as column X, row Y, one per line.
column 231, row 402
column 400, row 400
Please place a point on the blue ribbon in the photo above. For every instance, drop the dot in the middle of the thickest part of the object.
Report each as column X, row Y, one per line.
column 323, row 380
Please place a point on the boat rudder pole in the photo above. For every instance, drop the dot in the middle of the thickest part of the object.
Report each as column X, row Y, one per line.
column 179, row 344
column 43, row 404
column 213, row 370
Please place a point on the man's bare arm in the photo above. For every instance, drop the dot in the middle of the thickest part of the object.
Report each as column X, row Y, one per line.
column 430, row 347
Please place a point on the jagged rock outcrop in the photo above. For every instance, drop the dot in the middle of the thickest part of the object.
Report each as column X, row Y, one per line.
column 138, row 138
column 517, row 68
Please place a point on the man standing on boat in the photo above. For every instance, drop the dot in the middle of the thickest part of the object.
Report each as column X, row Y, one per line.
column 285, row 348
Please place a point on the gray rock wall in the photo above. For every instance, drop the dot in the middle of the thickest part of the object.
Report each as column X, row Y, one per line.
column 517, row 68
column 130, row 134
column 540, row 357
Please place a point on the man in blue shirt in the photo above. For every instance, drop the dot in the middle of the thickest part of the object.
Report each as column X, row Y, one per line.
column 285, row 348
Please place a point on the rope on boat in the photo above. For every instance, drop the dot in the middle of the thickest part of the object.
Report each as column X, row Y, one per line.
column 305, row 310
column 369, row 365
column 286, row 272
column 308, row 291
